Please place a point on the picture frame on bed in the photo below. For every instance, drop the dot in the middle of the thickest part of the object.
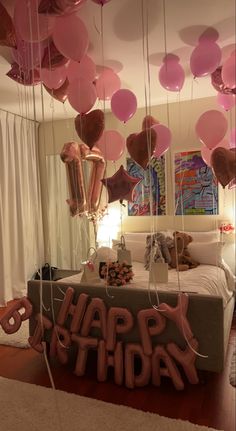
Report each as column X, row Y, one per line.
column 196, row 188
column 157, row 176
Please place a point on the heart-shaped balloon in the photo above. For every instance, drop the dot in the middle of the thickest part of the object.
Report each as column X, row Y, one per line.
column 60, row 93
column 141, row 146
column 148, row 122
column 223, row 162
column 90, row 126
column 53, row 58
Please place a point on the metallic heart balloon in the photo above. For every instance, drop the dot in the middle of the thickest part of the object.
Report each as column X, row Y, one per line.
column 90, row 126
column 60, row 93
column 53, row 58
column 7, row 31
column 148, row 122
column 218, row 84
column 141, row 146
column 59, row 7
column 223, row 162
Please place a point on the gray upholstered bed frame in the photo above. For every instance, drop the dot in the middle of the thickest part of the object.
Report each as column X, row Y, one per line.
column 210, row 322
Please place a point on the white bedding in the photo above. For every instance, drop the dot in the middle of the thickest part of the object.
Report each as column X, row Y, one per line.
column 205, row 279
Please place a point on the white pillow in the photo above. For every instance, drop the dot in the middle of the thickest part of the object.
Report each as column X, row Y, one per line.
column 206, row 253
column 104, row 254
column 137, row 249
column 208, row 236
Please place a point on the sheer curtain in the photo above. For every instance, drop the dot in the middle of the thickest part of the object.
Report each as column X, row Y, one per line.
column 21, row 233
column 68, row 237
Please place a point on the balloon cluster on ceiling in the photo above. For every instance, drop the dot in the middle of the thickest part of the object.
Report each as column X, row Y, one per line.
column 49, row 44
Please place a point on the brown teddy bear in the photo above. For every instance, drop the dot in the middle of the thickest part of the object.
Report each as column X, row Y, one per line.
column 180, row 257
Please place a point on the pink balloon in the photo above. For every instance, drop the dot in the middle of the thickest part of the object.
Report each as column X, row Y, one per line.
column 226, row 101
column 101, row 2
column 205, row 58
column 107, row 84
column 84, row 69
column 171, row 73
column 207, row 152
column 71, row 37
column 82, row 95
column 123, row 104
column 53, row 79
column 232, row 138
column 111, row 144
column 29, row 24
column 211, row 128
column 163, row 140
column 229, row 71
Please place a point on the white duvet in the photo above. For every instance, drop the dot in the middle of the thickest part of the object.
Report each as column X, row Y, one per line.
column 205, row 279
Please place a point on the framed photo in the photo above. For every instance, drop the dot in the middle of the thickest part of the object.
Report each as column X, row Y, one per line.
column 152, row 188
column 196, row 189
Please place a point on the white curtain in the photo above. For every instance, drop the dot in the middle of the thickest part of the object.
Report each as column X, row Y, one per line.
column 68, row 237
column 21, row 233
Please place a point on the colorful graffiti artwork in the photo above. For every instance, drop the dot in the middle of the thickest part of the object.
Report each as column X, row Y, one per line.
column 150, row 193
column 196, row 189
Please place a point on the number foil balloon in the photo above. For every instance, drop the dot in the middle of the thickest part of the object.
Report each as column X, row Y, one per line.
column 90, row 126
column 7, row 31
column 82, row 201
column 223, row 162
column 141, row 146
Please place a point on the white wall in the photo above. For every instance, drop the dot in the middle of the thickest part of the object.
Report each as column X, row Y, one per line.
column 182, row 120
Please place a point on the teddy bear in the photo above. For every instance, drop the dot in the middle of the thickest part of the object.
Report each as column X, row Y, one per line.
column 180, row 256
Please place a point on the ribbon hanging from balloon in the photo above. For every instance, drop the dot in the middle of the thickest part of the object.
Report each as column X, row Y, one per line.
column 83, row 201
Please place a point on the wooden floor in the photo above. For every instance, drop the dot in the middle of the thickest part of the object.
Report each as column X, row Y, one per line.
column 211, row 403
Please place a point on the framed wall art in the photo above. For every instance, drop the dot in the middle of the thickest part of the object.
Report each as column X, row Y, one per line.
column 152, row 188
column 196, row 189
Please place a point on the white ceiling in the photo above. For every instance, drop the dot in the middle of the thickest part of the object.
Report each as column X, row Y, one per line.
column 186, row 20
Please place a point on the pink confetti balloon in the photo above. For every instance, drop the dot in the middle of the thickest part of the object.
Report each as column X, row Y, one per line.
column 71, row 37
column 205, row 58
column 82, row 95
column 29, row 24
column 107, row 84
column 211, row 128
column 123, row 104
column 171, row 74
column 111, row 144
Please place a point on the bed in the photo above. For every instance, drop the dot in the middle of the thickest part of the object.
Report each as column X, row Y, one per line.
column 209, row 289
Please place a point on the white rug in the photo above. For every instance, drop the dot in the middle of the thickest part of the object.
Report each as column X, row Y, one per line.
column 19, row 339
column 35, row 408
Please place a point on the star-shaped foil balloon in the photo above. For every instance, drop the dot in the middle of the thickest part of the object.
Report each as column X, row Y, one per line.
column 120, row 186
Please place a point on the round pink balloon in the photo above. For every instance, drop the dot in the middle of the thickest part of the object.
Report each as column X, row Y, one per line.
column 211, row 128
column 111, row 144
column 163, row 139
column 123, row 104
column 107, row 84
column 71, row 37
column 53, row 79
column 229, row 71
column 226, row 101
column 232, row 138
column 171, row 73
column 84, row 69
column 101, row 2
column 205, row 58
column 31, row 25
column 82, row 95
column 207, row 152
